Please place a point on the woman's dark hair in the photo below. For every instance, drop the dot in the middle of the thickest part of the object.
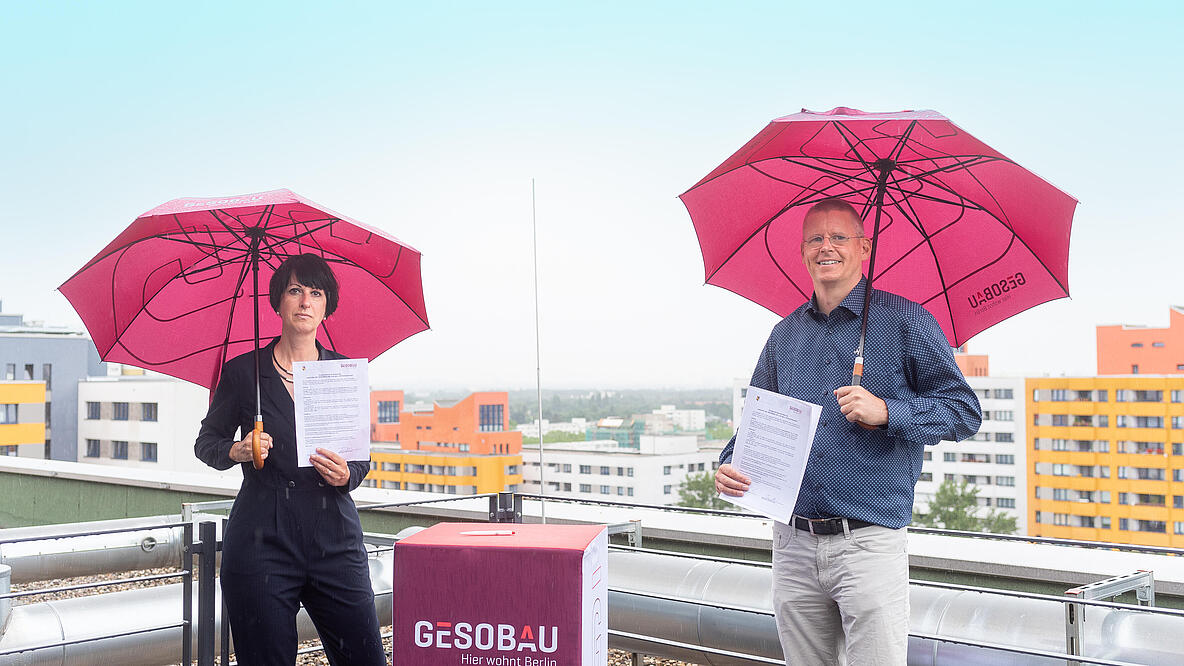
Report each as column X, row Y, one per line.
column 309, row 270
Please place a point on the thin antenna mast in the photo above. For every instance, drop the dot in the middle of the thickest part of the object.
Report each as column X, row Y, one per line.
column 538, row 364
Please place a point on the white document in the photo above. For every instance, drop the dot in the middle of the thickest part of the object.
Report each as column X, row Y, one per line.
column 332, row 408
column 772, row 447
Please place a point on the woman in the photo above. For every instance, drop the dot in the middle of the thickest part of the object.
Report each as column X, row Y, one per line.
column 293, row 536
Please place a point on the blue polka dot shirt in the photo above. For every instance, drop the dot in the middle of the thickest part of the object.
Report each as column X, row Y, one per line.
column 852, row 472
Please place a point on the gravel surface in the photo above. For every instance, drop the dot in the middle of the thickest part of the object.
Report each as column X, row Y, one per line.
column 615, row 657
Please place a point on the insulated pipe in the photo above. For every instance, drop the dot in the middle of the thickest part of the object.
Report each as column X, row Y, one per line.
column 1133, row 636
column 146, row 548
column 133, row 610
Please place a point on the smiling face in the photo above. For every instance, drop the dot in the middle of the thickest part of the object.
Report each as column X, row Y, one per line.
column 834, row 266
column 302, row 308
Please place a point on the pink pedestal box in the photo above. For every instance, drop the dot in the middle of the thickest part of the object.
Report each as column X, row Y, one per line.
column 471, row 594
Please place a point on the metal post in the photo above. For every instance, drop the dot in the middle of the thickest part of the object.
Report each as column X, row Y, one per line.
column 1074, row 619
column 207, row 554
column 637, row 659
column 505, row 508
column 225, row 625
column 187, row 596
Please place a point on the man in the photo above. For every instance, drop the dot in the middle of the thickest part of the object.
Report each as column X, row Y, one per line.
column 840, row 571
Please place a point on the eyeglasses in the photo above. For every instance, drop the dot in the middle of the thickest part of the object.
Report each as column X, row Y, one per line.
column 837, row 240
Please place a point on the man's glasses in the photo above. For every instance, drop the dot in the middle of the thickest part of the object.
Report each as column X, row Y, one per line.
column 837, row 240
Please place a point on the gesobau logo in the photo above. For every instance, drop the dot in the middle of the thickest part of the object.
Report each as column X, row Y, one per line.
column 485, row 636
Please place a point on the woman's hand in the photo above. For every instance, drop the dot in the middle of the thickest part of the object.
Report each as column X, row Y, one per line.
column 332, row 467
column 241, row 451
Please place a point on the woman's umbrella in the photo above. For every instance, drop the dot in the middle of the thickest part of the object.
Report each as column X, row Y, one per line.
column 178, row 291
column 956, row 226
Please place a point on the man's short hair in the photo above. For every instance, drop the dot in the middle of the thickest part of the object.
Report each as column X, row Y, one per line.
column 828, row 205
column 310, row 271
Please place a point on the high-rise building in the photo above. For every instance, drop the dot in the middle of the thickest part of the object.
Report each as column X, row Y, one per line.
column 1142, row 350
column 461, row 448
column 59, row 358
column 22, row 418
column 993, row 460
column 1108, row 458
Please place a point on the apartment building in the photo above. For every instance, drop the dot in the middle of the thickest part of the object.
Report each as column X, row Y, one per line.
column 1142, row 350
column 651, row 473
column 22, row 418
column 994, row 460
column 1107, row 455
column 464, row 447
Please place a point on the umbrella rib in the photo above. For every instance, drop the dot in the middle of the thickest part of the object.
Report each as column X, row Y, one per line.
column 773, row 259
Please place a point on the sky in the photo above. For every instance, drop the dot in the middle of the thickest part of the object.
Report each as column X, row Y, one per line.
column 432, row 120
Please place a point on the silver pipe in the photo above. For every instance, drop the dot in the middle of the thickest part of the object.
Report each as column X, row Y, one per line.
column 134, row 610
column 5, row 588
column 146, row 548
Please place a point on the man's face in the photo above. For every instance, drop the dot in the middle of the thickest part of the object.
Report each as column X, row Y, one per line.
column 831, row 263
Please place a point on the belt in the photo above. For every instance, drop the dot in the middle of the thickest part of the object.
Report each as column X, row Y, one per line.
column 827, row 526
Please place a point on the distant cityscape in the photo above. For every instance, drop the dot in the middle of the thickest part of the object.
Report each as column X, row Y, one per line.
column 1094, row 458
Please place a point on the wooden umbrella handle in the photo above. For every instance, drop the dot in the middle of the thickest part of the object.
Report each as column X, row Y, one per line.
column 256, row 450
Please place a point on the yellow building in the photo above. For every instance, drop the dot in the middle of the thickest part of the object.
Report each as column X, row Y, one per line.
column 438, row 472
column 1107, row 459
column 22, row 419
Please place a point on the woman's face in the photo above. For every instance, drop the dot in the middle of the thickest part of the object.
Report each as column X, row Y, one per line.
column 302, row 309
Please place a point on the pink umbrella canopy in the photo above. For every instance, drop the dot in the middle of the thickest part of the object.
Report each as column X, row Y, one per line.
column 173, row 293
column 963, row 230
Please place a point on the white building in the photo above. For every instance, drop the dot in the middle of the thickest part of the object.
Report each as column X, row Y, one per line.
column 146, row 421
column 994, row 460
column 684, row 419
column 576, row 426
column 603, row 470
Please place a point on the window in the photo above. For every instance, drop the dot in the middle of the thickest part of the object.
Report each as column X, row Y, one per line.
column 120, row 411
column 976, row 458
column 1003, row 394
column 1124, row 395
column 604, row 470
column 1177, row 395
column 666, row 470
column 620, row 471
column 947, row 477
column 1060, row 419
column 147, row 452
column 1148, row 396
column 1005, row 480
column 927, row 455
column 1004, row 415
column 1004, row 437
column 585, row 469
column 629, row 471
column 567, row 467
column 1061, row 470
column 629, row 492
column 1102, row 396
column 92, row 448
column 585, row 487
column 1157, row 344
column 620, row 490
column 1060, row 519
column 119, row 449
column 48, row 413
column 92, row 411
column 388, row 411
column 148, row 411
column 1134, row 368
column 10, row 371
column 1060, row 445
column 1137, row 345
column 1060, row 494
column 666, row 490
column 926, row 476
column 1059, row 395
column 1103, row 420
column 604, row 490
column 949, row 456
column 47, row 375
column 1005, row 459
column 1006, row 503
column 492, row 418
column 29, row 372
column 8, row 413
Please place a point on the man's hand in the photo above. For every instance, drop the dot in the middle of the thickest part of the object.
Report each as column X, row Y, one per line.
column 240, row 452
column 860, row 406
column 729, row 481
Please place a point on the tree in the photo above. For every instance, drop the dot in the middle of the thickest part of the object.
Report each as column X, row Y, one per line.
column 955, row 507
column 719, row 430
column 698, row 491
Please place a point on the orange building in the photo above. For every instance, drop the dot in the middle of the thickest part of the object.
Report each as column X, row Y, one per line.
column 1140, row 350
column 1106, row 459
column 971, row 365
column 463, row 448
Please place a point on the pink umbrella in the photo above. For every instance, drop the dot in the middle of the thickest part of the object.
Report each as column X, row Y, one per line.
column 958, row 227
column 178, row 291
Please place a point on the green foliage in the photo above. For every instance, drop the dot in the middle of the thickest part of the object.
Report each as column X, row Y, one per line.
column 719, row 430
column 698, row 491
column 563, row 405
column 955, row 507
column 555, row 436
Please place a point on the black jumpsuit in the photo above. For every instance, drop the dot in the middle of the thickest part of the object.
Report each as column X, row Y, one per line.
column 291, row 538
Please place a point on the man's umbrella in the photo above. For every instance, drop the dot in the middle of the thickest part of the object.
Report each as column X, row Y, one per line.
column 178, row 291
column 956, row 226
